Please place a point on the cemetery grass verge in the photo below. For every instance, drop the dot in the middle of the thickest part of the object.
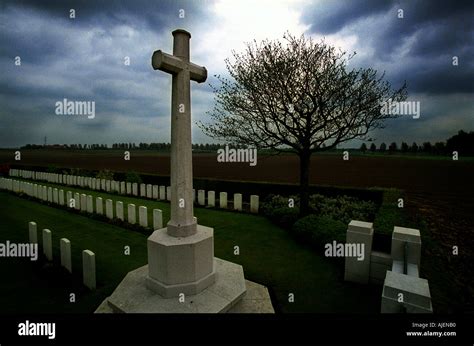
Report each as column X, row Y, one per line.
column 268, row 254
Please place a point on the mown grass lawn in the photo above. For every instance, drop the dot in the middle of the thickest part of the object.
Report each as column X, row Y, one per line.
column 269, row 255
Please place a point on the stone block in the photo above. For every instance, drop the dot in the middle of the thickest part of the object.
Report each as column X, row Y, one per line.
column 90, row 204
column 155, row 191
column 359, row 232
column 180, row 265
column 412, row 238
column 149, row 191
column 162, row 193
column 405, row 291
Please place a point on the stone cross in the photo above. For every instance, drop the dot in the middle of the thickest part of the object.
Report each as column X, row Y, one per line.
column 182, row 222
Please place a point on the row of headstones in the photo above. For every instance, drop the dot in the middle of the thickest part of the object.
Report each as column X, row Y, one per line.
column 83, row 202
column 88, row 257
column 403, row 289
column 127, row 188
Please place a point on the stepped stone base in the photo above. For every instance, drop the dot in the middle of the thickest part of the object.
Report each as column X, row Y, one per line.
column 229, row 293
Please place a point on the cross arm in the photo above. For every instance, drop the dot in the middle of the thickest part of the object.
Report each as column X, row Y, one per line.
column 172, row 64
column 166, row 62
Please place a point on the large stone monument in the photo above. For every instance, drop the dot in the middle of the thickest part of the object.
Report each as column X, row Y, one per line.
column 182, row 274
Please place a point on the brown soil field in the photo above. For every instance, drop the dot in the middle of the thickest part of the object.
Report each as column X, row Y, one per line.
column 439, row 191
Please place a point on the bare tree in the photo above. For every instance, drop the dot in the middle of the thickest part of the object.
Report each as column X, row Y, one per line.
column 297, row 95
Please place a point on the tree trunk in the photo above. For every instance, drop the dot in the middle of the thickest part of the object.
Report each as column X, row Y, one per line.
column 305, row 159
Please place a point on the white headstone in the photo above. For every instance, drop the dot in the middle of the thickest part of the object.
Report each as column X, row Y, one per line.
column 48, row 244
column 88, row 269
column 109, row 209
column 119, row 210
column 223, row 200
column 61, row 197
column 132, row 214
column 33, row 232
column 201, row 197
column 143, row 216
column 157, row 219
column 99, row 206
column 162, row 193
column 211, row 198
column 83, row 202
column 135, row 189
column 254, row 204
column 65, row 251
column 55, row 196
column 238, row 201
column 77, row 200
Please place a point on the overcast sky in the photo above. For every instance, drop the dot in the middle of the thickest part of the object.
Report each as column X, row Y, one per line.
column 83, row 59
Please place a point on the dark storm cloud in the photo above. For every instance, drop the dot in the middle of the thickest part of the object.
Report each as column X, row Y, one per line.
column 331, row 16
column 433, row 31
column 83, row 59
